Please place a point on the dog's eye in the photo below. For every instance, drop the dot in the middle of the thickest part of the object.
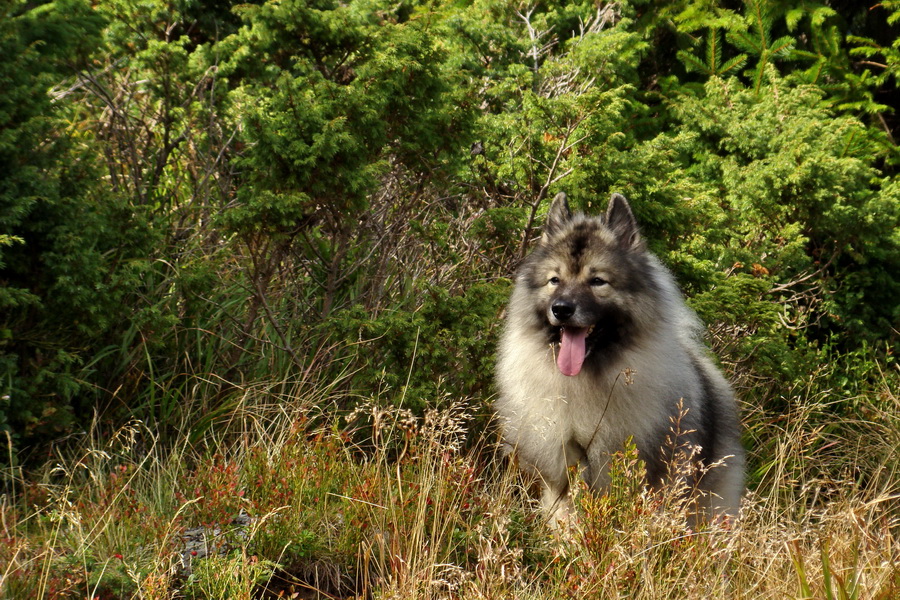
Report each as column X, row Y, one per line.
column 554, row 281
column 598, row 281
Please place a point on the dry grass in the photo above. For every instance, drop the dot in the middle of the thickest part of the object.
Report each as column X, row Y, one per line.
column 383, row 504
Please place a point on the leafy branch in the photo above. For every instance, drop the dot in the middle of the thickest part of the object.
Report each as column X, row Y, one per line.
column 711, row 63
column 757, row 39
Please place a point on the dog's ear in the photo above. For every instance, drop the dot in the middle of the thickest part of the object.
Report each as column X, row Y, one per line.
column 559, row 215
column 621, row 221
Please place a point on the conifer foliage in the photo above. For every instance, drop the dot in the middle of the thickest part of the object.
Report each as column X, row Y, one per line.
column 235, row 191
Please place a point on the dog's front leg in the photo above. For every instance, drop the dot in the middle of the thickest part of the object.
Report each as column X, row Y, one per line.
column 557, row 504
column 555, row 498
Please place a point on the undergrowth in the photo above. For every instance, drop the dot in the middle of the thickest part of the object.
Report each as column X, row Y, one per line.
column 300, row 500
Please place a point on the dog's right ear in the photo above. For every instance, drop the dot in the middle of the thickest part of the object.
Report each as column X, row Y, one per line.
column 559, row 215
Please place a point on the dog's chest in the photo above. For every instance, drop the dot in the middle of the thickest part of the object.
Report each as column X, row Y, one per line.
column 597, row 408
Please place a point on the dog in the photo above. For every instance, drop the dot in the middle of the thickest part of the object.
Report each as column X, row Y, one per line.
column 599, row 348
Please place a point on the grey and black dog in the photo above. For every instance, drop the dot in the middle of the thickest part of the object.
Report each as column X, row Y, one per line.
column 599, row 346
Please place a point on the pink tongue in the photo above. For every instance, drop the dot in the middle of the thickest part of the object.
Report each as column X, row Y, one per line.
column 571, row 350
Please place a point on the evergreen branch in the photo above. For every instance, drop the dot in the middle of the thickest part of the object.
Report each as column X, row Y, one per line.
column 806, row 54
column 793, row 17
column 758, row 76
column 733, row 64
column 820, row 14
column 692, row 63
column 713, row 50
column 744, row 42
column 815, row 71
column 870, row 63
column 781, row 47
column 763, row 21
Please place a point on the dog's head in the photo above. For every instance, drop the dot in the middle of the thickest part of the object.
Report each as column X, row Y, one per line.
column 587, row 278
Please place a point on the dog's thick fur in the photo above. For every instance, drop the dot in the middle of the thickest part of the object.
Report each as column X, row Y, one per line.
column 599, row 346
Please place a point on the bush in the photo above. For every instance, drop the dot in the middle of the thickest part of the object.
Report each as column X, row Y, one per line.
column 69, row 245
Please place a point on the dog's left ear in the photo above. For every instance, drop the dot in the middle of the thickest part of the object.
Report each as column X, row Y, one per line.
column 559, row 215
column 621, row 221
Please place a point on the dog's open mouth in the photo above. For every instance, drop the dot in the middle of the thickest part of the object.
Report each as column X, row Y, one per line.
column 573, row 348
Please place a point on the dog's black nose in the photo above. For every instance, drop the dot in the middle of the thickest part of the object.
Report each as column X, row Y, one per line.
column 563, row 309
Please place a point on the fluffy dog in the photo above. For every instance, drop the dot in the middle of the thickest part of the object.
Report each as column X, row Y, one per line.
column 599, row 347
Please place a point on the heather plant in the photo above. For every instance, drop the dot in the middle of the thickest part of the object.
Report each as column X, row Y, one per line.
column 415, row 509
